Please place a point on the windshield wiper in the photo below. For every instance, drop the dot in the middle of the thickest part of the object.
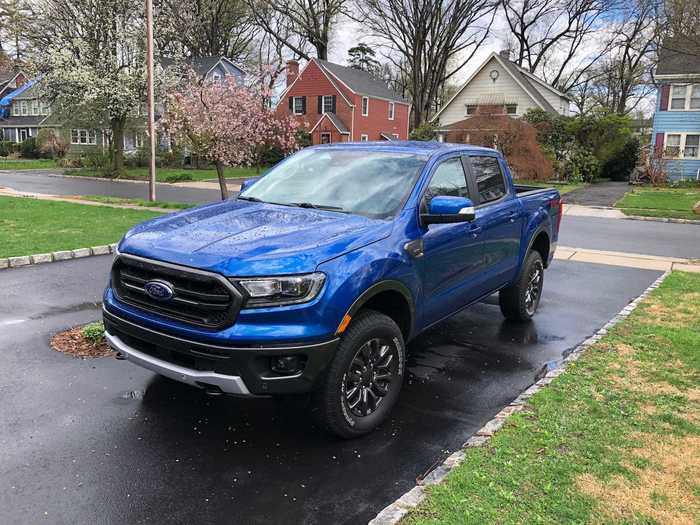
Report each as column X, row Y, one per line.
column 316, row 206
column 251, row 199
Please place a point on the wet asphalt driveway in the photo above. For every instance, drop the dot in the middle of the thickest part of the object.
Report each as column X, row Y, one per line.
column 102, row 441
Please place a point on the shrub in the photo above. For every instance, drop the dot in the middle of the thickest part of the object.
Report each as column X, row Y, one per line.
column 170, row 159
column 553, row 132
column 178, row 177
column 94, row 333
column 7, row 147
column 98, row 161
column 70, row 162
column 425, row 132
column 51, row 145
column 138, row 158
column 580, row 166
column 28, row 148
column 621, row 162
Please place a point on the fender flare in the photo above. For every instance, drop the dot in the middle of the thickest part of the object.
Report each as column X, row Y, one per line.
column 540, row 229
column 384, row 286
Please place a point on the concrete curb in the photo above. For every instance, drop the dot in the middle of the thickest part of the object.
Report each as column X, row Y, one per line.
column 64, row 255
column 394, row 512
column 661, row 219
column 609, row 212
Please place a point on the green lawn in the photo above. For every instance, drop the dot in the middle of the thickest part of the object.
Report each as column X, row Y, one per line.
column 29, row 226
column 173, row 174
column 138, row 202
column 661, row 202
column 29, row 164
column 563, row 187
column 615, row 439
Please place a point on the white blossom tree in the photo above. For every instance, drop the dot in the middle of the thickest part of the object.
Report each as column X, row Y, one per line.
column 93, row 61
column 227, row 123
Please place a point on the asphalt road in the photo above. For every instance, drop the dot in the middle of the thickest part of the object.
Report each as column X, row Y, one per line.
column 622, row 235
column 103, row 441
column 54, row 184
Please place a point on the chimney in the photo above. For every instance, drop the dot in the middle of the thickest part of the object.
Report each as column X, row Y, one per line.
column 505, row 53
column 292, row 71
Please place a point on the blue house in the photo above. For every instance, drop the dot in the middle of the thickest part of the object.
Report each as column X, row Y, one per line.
column 676, row 133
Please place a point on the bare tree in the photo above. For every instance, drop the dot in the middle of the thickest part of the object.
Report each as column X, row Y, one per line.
column 204, row 28
column 551, row 37
column 14, row 17
column 624, row 78
column 310, row 21
column 682, row 26
column 429, row 41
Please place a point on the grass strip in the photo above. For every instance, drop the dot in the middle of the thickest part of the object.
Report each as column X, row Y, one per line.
column 174, row 174
column 615, row 439
column 138, row 202
column 676, row 203
column 30, row 226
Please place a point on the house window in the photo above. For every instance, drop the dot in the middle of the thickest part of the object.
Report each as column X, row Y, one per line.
column 216, row 77
column 22, row 108
column 327, row 106
column 673, row 146
column 138, row 140
column 23, row 134
column 690, row 148
column 35, row 106
column 365, row 106
column 364, row 138
column 391, row 111
column 511, row 109
column 471, row 109
column 298, row 105
column 395, row 135
column 685, row 97
column 325, row 138
column 695, row 97
column 83, row 136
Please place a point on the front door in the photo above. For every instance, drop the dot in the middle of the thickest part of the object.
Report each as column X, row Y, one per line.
column 452, row 252
column 325, row 137
column 500, row 216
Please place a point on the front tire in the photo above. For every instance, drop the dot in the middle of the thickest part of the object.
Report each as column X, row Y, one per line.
column 519, row 302
column 363, row 382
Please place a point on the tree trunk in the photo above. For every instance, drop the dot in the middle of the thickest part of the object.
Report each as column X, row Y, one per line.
column 117, row 152
column 222, row 180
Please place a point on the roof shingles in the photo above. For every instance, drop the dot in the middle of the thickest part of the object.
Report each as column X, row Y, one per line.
column 361, row 82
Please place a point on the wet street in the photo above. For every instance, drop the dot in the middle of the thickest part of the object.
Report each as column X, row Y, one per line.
column 103, row 441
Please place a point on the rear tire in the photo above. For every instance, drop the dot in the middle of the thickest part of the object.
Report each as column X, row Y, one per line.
column 363, row 381
column 519, row 302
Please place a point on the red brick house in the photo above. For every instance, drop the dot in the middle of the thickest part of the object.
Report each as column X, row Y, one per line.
column 340, row 104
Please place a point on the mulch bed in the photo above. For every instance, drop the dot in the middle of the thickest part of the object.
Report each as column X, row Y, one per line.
column 73, row 342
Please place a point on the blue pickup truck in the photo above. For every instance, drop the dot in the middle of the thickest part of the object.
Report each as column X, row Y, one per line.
column 311, row 282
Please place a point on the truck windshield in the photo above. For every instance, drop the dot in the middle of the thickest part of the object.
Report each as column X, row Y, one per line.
column 370, row 183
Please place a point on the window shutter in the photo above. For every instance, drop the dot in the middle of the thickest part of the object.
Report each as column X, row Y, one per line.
column 333, row 103
column 659, row 145
column 320, row 104
column 303, row 105
column 291, row 104
column 665, row 93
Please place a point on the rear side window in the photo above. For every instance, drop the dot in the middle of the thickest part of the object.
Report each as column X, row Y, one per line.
column 489, row 179
column 448, row 179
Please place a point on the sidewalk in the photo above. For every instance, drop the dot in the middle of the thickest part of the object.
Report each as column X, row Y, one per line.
column 629, row 260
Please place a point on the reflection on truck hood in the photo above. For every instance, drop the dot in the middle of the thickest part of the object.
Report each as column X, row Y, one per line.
column 240, row 238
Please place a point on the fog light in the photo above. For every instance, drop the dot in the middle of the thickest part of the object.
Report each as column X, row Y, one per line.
column 286, row 365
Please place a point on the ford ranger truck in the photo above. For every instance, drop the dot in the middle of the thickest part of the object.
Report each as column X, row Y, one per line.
column 310, row 283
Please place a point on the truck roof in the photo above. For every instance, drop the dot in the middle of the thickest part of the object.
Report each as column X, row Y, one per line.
column 428, row 148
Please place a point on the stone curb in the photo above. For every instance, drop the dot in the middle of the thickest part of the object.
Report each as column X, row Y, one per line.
column 394, row 512
column 65, row 255
column 661, row 219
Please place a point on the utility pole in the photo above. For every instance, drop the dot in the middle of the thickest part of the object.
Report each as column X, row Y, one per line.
column 151, row 109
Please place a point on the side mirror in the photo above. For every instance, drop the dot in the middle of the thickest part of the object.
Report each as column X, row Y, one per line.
column 447, row 210
column 248, row 183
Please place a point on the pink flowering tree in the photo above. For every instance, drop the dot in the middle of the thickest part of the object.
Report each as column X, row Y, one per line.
column 227, row 123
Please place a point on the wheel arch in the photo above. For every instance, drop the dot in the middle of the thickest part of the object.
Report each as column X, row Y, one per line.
column 392, row 298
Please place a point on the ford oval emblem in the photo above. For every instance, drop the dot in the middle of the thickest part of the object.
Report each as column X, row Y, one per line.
column 159, row 290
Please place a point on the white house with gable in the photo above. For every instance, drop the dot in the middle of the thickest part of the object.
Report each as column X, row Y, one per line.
column 500, row 86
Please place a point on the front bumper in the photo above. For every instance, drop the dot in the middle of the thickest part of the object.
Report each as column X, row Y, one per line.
column 236, row 370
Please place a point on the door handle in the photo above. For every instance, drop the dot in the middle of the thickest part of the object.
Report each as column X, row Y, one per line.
column 475, row 231
column 512, row 216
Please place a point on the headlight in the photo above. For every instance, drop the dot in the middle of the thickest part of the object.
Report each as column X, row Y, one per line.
column 280, row 291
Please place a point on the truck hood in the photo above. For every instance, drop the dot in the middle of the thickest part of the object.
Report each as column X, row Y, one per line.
column 241, row 238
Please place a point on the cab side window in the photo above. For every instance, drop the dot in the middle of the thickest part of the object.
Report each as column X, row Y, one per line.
column 448, row 180
column 490, row 182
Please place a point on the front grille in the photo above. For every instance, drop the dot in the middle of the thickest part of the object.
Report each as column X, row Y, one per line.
column 199, row 298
